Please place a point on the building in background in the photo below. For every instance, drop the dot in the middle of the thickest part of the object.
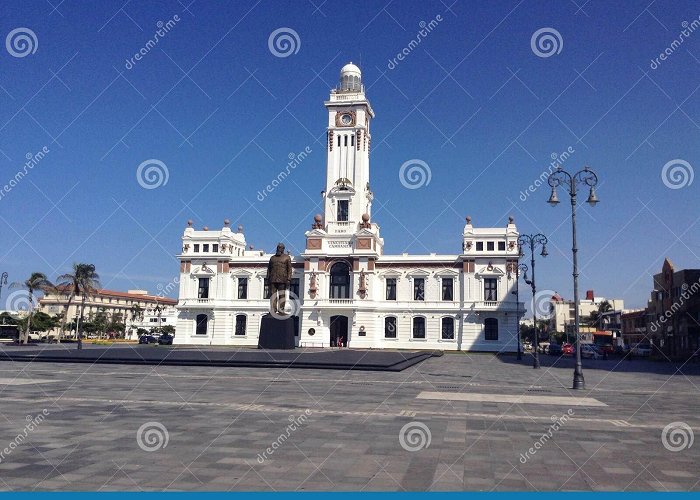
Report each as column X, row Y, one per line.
column 135, row 308
column 634, row 327
column 345, row 290
column 673, row 311
column 562, row 316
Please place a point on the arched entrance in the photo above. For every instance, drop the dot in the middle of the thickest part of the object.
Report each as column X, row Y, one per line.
column 339, row 331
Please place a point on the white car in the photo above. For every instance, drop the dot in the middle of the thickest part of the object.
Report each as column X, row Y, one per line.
column 589, row 351
column 641, row 350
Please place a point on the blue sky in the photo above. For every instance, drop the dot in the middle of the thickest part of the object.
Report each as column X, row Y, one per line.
column 222, row 112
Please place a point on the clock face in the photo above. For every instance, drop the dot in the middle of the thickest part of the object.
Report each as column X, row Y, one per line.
column 346, row 119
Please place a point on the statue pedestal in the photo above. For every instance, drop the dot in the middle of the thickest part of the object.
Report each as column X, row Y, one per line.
column 276, row 333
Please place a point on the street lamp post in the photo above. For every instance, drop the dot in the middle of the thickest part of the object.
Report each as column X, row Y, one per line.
column 533, row 241
column 3, row 281
column 518, row 269
column 570, row 183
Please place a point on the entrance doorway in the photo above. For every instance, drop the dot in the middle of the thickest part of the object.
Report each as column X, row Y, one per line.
column 339, row 331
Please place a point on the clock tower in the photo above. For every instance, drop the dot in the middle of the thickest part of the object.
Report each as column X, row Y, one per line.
column 348, row 196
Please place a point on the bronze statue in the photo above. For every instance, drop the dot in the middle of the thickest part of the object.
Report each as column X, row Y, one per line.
column 279, row 276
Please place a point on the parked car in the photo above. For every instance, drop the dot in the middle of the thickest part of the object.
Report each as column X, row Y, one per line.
column 590, row 351
column 554, row 349
column 567, row 349
column 147, row 339
column 166, row 339
column 622, row 350
column 641, row 350
column 544, row 347
column 606, row 348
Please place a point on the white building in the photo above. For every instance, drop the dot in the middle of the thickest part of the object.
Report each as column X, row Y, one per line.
column 562, row 313
column 345, row 290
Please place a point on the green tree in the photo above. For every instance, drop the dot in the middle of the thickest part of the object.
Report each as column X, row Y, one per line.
column 37, row 282
column 70, row 283
column 596, row 317
column 136, row 314
column 88, row 282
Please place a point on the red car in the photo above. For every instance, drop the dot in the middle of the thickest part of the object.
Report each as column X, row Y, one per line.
column 567, row 349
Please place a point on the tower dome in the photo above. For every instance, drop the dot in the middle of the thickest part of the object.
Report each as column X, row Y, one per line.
column 350, row 78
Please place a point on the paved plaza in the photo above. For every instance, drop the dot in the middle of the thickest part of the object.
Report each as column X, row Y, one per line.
column 458, row 422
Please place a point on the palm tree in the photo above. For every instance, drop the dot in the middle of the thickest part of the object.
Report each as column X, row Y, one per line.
column 136, row 314
column 69, row 282
column 596, row 317
column 37, row 282
column 88, row 282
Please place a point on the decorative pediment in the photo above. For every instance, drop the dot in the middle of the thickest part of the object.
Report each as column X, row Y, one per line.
column 490, row 271
column 418, row 273
column 447, row 272
column 241, row 273
column 390, row 273
column 203, row 271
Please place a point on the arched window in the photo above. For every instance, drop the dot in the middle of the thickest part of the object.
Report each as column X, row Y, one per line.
column 448, row 328
column 240, row 324
column 201, row 328
column 340, row 281
column 390, row 331
column 419, row 327
column 491, row 329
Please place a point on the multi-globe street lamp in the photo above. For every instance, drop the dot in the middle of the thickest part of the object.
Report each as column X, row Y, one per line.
column 518, row 269
column 533, row 241
column 570, row 182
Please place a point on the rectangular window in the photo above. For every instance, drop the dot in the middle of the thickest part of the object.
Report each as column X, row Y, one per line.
column 201, row 324
column 448, row 329
column 266, row 289
column 419, row 289
column 215, row 248
column 196, row 247
column 203, row 289
column 447, row 289
column 242, row 288
column 294, row 287
column 345, row 142
column 338, row 141
column 489, row 246
column 419, row 328
column 240, row 325
column 501, row 246
column 390, row 327
column 391, row 289
column 343, row 209
column 490, row 329
column 479, row 246
column 205, row 248
column 490, row 289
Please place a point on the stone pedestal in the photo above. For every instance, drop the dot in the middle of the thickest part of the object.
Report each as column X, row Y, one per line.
column 276, row 333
